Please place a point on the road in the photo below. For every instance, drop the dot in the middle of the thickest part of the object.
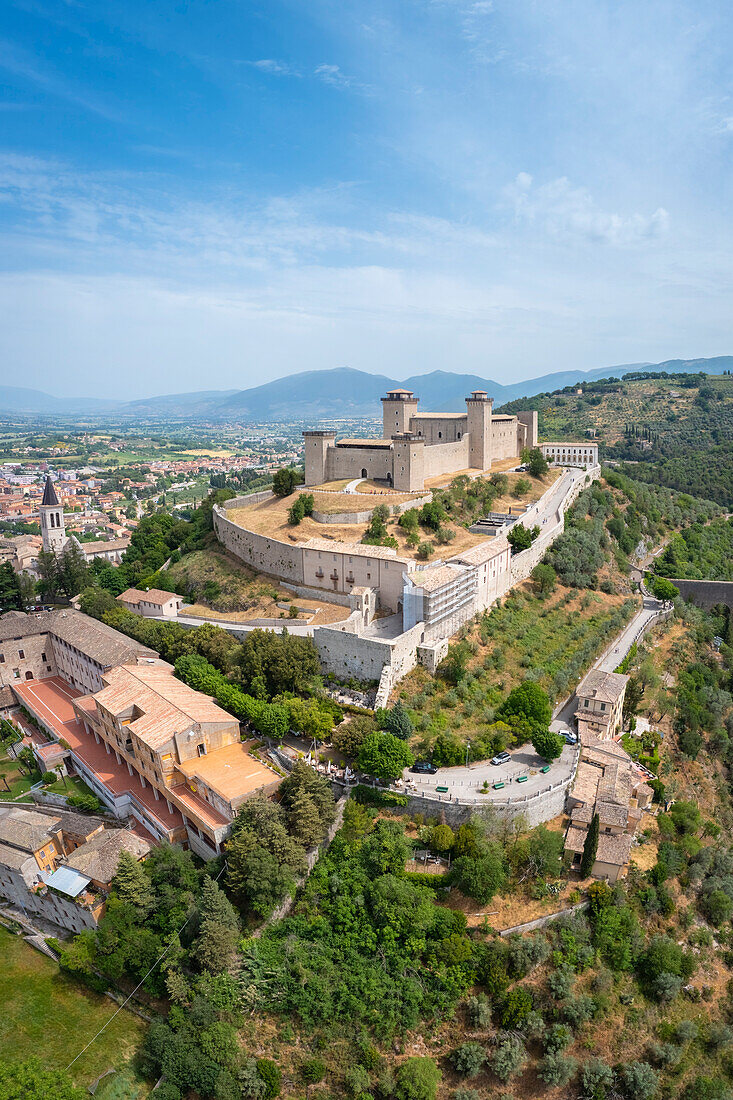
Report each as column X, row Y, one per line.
column 611, row 658
column 464, row 784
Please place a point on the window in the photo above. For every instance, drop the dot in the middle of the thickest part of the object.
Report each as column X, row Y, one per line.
column 440, row 435
column 21, row 654
column 201, row 749
column 603, row 706
column 586, row 703
column 43, row 656
column 2, row 658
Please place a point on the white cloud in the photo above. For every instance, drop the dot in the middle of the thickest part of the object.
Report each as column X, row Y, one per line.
column 275, row 68
column 568, row 212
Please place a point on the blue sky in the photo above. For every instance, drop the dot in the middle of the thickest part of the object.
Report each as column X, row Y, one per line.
column 213, row 194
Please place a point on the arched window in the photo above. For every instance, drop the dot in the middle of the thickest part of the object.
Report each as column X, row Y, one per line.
column 363, row 473
column 440, row 435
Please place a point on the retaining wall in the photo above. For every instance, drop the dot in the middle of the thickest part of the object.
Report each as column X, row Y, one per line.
column 261, row 552
column 706, row 593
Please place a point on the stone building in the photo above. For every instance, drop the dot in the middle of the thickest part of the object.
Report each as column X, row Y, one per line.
column 601, row 703
column 182, row 746
column 58, row 865
column 54, row 537
column 417, row 446
column 570, row 454
column 62, row 643
column 153, row 602
column 605, row 784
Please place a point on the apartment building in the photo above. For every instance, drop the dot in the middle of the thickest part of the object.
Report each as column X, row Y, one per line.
column 180, row 744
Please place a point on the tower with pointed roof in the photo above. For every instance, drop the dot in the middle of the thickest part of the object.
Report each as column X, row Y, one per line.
column 53, row 528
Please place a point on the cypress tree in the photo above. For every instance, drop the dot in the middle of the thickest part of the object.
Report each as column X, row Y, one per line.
column 218, row 933
column 132, row 885
column 590, row 848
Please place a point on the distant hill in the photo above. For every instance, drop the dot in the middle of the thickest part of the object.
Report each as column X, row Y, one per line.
column 329, row 394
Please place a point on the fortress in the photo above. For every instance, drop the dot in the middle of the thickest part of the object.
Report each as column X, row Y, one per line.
column 418, row 446
column 399, row 610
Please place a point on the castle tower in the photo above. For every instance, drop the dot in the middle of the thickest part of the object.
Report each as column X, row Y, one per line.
column 480, row 407
column 398, row 408
column 408, row 453
column 317, row 445
column 53, row 528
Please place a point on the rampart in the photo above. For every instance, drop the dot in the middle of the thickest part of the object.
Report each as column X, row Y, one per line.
column 706, row 593
column 265, row 554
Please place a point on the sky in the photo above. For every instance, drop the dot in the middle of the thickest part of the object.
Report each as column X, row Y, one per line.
column 210, row 194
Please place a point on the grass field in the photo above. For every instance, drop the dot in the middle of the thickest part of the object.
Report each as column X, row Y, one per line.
column 47, row 1015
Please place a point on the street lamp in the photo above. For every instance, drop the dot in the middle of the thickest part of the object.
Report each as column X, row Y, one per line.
column 468, row 746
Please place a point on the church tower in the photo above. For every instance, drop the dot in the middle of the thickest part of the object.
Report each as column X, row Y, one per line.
column 53, row 528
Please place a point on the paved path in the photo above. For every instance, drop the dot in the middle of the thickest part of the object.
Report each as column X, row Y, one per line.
column 464, row 783
column 618, row 649
column 353, row 485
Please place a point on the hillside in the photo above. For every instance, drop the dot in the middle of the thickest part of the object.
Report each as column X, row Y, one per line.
column 670, row 431
column 341, row 392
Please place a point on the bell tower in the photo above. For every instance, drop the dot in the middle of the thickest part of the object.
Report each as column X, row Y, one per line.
column 53, row 527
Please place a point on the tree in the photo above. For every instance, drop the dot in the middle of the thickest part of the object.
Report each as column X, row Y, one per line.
column 218, row 932
column 468, row 1059
column 10, row 593
column 535, row 461
column 663, row 589
column 397, row 722
column 307, row 798
column 544, row 577
column 72, row 569
column 480, row 877
column 280, row 662
column 509, row 1057
column 547, row 744
column 348, row 737
column 632, row 698
column 417, row 1079
column 454, row 665
column 256, row 879
column 520, row 537
column 590, row 847
column 132, row 885
column 30, row 1081
column 441, row 838
column 284, row 481
column 527, row 702
column 597, row 1079
column 639, row 1081
column 557, row 1069
column 384, row 756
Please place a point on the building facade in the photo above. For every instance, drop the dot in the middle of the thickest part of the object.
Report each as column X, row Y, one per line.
column 570, row 454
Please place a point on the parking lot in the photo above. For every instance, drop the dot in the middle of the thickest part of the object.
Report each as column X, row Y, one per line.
column 465, row 783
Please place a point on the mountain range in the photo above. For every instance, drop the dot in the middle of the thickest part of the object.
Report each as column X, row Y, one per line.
column 311, row 396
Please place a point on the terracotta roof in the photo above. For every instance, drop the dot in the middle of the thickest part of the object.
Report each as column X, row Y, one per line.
column 102, row 544
column 161, row 705
column 27, row 829
column 437, row 576
column 152, row 595
column 386, row 443
column 98, row 858
column 614, row 848
column 96, row 640
column 607, row 687
column 14, row 858
column 49, row 494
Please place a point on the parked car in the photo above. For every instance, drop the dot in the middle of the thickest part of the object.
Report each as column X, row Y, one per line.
column 501, row 758
column 424, row 767
column 569, row 737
